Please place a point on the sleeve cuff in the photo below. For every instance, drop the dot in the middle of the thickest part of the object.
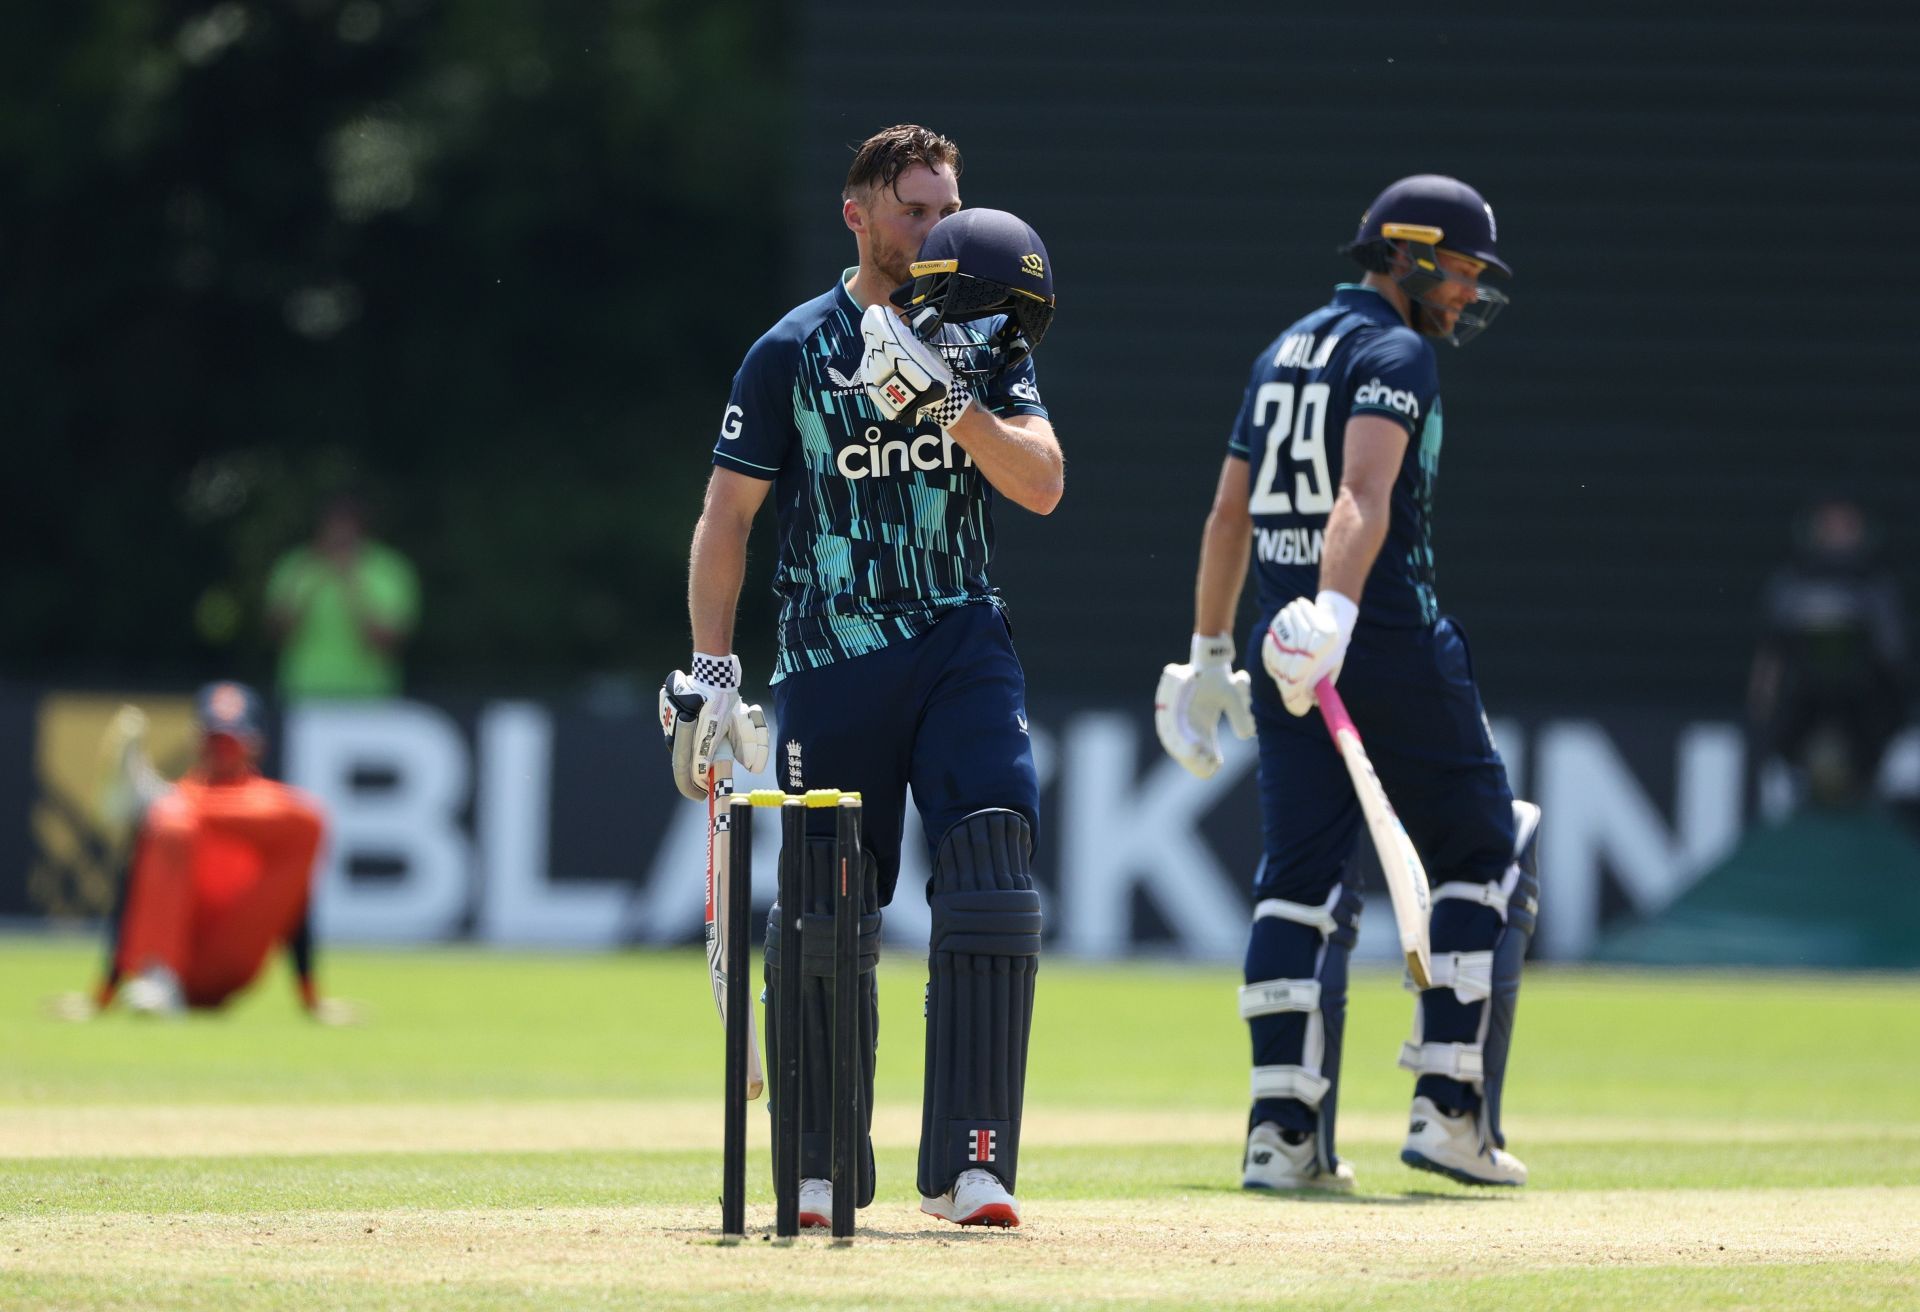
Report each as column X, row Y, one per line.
column 726, row 460
column 1345, row 611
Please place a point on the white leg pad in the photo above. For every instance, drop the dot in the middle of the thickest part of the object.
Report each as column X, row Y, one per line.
column 1289, row 1082
column 1487, row 895
column 1468, row 974
column 1270, row 997
column 1320, row 917
column 1457, row 1061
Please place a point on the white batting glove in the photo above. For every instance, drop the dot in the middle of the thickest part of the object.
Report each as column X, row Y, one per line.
column 1191, row 699
column 1307, row 642
column 905, row 378
column 700, row 713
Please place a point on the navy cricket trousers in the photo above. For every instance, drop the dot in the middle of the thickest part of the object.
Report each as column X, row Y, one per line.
column 944, row 713
column 1412, row 696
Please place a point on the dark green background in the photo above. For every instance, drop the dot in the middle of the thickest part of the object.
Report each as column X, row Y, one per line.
column 497, row 261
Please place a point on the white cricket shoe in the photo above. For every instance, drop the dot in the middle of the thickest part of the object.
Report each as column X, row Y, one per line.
column 977, row 1198
column 155, row 991
column 1273, row 1163
column 1450, row 1145
column 816, row 1203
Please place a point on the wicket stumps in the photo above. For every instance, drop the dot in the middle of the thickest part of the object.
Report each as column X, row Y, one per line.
column 784, row 1026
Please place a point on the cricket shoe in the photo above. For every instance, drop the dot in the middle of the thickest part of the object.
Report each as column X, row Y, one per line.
column 155, row 991
column 976, row 1198
column 1273, row 1163
column 816, row 1203
column 1448, row 1143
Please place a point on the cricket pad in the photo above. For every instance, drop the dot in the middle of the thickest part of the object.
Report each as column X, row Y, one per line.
column 982, row 960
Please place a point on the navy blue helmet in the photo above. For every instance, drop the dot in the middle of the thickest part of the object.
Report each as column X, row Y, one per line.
column 977, row 263
column 1416, row 217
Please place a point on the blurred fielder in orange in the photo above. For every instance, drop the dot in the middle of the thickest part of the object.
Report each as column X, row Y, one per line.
column 221, row 871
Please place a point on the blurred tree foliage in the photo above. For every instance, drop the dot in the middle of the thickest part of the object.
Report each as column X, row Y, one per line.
column 475, row 258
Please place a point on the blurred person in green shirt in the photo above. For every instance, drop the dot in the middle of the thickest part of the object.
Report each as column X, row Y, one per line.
column 340, row 608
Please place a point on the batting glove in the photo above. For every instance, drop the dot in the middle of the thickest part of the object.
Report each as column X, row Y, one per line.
column 1307, row 642
column 905, row 378
column 1191, row 699
column 700, row 713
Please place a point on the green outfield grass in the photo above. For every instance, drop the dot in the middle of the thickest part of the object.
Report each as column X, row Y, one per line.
column 514, row 1130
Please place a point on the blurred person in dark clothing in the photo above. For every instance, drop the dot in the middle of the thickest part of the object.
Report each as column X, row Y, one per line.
column 1829, row 687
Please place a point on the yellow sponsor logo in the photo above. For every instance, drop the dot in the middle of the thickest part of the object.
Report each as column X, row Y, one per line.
column 1033, row 265
column 79, row 813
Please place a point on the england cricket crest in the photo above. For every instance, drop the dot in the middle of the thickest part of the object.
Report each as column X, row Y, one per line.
column 719, row 854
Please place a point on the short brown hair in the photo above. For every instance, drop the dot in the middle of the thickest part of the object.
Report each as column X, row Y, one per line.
column 888, row 153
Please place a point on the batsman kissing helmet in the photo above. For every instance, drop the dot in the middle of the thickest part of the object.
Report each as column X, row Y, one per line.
column 1409, row 223
column 977, row 263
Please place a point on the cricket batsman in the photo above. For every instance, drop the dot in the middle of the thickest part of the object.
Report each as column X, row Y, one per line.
column 883, row 420
column 221, row 873
column 1328, row 482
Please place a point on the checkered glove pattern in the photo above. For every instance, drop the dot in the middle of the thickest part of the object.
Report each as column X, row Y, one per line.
column 945, row 412
column 716, row 671
column 702, row 716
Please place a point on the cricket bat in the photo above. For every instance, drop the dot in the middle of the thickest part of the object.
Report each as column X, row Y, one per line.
column 719, row 826
column 1406, row 876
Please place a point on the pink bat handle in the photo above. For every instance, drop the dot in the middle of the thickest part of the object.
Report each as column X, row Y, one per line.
column 1333, row 710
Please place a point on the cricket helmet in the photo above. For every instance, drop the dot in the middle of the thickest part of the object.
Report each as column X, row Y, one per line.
column 976, row 263
column 1408, row 223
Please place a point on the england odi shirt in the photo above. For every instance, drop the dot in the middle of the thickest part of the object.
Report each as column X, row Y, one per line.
column 1353, row 356
column 883, row 526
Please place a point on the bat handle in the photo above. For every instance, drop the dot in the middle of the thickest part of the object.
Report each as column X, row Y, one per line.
column 1333, row 710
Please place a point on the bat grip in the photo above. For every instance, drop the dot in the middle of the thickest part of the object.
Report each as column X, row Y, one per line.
column 1333, row 710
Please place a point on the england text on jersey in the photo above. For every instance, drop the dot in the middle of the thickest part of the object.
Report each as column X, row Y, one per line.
column 1353, row 356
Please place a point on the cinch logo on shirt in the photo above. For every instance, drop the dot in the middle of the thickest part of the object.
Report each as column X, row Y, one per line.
column 877, row 459
column 1375, row 392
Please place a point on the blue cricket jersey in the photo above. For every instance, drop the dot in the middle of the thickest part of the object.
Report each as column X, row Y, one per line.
column 884, row 527
column 1353, row 356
